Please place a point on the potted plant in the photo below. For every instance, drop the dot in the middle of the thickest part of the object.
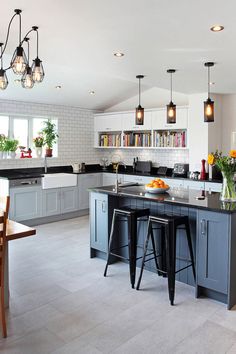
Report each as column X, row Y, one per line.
column 50, row 136
column 2, row 144
column 11, row 146
column 38, row 142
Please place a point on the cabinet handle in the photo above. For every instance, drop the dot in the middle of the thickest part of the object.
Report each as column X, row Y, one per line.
column 203, row 226
column 104, row 206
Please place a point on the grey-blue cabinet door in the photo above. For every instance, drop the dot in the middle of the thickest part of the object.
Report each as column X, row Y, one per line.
column 26, row 203
column 99, row 221
column 69, row 199
column 86, row 181
column 213, row 250
column 51, row 201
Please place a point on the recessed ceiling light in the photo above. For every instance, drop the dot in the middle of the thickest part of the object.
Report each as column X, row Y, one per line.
column 92, row 92
column 118, row 54
column 217, row 28
column 212, row 83
column 58, row 87
column 17, row 81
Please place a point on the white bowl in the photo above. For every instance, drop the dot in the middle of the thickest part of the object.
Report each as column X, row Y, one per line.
column 156, row 190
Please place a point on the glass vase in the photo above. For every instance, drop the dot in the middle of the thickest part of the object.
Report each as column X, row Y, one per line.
column 228, row 192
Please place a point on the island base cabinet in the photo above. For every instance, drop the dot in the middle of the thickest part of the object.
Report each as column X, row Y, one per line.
column 212, row 252
column 98, row 223
column 26, row 203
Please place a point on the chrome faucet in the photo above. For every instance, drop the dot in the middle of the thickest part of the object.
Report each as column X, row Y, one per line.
column 117, row 168
column 45, row 164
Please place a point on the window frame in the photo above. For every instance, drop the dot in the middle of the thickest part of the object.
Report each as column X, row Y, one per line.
column 30, row 119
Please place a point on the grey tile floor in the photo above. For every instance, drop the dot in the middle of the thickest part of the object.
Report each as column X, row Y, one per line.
column 61, row 304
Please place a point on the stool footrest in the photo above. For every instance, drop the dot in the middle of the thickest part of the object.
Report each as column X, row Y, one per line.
column 179, row 270
column 118, row 256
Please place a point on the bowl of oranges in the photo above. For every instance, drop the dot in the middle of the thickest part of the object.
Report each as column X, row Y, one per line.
column 156, row 186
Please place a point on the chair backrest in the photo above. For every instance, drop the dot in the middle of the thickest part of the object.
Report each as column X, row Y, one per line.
column 5, row 204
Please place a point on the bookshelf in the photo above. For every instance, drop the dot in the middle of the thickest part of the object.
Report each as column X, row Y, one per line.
column 109, row 140
column 170, row 138
column 137, row 139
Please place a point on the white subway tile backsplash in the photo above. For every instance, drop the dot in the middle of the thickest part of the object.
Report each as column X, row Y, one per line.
column 75, row 144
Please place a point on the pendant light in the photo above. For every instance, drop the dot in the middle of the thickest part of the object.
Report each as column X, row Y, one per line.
column 209, row 104
column 3, row 76
column 139, row 114
column 37, row 67
column 171, row 107
column 27, row 79
column 19, row 60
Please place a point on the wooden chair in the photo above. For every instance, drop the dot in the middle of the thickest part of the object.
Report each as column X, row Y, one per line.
column 4, row 210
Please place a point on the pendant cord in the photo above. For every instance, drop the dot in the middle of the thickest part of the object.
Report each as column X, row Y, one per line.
column 139, row 90
column 19, row 29
column 170, row 87
column 7, row 36
column 208, row 82
column 1, row 59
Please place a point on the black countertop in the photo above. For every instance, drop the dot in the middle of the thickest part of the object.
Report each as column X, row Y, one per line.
column 37, row 172
column 177, row 196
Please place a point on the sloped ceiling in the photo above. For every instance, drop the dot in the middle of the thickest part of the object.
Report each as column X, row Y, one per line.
column 78, row 38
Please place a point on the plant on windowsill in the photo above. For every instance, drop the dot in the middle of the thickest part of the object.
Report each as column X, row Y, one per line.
column 11, row 146
column 2, row 144
column 50, row 136
column 38, row 142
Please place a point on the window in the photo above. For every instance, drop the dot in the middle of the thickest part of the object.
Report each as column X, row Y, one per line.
column 4, row 125
column 21, row 131
column 24, row 129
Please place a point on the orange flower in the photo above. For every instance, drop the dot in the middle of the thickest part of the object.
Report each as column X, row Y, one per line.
column 232, row 153
column 211, row 159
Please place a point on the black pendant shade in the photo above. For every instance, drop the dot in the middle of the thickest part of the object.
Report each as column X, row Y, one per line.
column 209, row 104
column 139, row 114
column 19, row 61
column 171, row 107
column 37, row 70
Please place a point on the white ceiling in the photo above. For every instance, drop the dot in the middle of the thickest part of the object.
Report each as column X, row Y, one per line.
column 78, row 38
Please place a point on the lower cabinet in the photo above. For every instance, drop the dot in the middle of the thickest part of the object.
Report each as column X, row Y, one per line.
column 60, row 200
column 99, row 221
column 213, row 250
column 26, row 203
column 86, row 181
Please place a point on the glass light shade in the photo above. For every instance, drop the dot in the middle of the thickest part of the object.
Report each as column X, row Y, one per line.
column 27, row 79
column 139, row 115
column 171, row 113
column 209, row 111
column 19, row 61
column 3, row 80
column 37, row 70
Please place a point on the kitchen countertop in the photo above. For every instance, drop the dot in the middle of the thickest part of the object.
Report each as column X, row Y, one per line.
column 177, row 196
column 37, row 172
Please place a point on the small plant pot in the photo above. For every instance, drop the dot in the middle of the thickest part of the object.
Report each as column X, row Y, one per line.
column 38, row 151
column 5, row 154
column 1, row 154
column 12, row 154
column 48, row 152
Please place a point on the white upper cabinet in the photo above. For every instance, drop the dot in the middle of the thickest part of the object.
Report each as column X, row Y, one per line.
column 128, row 120
column 108, row 122
column 159, row 119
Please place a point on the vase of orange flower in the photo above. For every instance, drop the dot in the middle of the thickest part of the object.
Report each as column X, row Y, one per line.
column 227, row 166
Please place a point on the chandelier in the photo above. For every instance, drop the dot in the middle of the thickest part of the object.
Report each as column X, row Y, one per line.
column 20, row 62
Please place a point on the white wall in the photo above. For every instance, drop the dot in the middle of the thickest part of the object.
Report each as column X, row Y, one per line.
column 75, row 128
column 228, row 120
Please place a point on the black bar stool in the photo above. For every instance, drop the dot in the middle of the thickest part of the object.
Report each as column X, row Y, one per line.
column 131, row 216
column 169, row 225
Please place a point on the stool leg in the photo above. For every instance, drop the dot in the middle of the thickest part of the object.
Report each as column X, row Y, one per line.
column 187, row 228
column 154, row 251
column 171, row 259
column 110, row 242
column 149, row 227
column 163, row 252
column 132, row 245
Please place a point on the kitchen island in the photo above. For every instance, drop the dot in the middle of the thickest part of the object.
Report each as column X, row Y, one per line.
column 213, row 230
